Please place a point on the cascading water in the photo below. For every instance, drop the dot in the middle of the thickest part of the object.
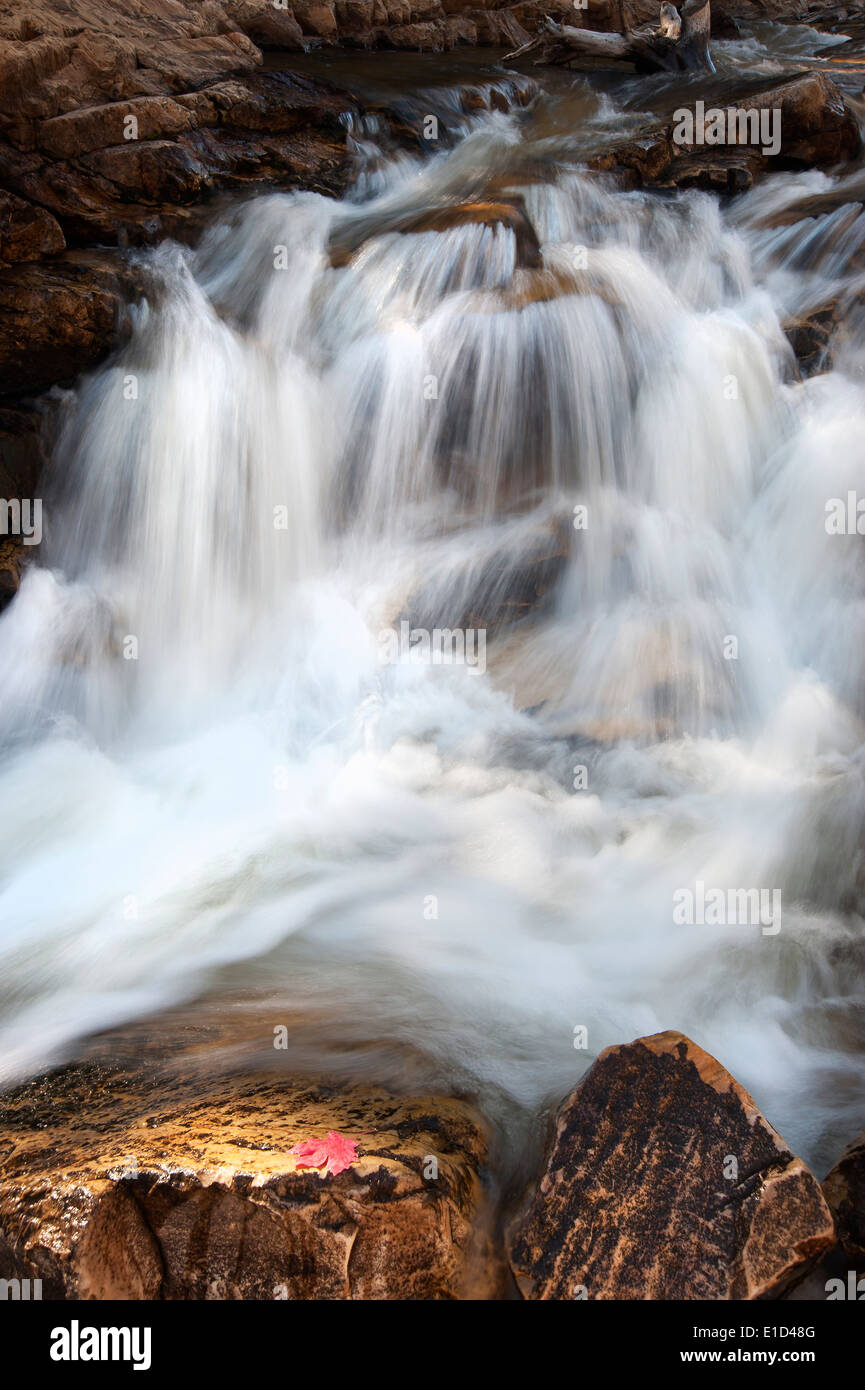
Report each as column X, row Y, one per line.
column 213, row 789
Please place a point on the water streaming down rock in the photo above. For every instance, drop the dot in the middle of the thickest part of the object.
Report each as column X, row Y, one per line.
column 256, row 809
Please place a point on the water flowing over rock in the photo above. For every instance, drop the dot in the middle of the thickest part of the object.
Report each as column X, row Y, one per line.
column 811, row 338
column 495, row 388
column 665, row 1182
column 134, row 1185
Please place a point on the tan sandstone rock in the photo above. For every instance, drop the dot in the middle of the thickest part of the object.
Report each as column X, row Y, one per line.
column 134, row 1183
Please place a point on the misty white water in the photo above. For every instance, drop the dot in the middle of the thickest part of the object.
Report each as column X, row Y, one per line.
column 243, row 803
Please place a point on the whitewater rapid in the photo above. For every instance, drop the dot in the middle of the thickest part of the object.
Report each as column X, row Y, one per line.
column 212, row 789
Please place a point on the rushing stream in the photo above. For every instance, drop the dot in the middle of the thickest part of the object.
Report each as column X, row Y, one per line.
column 214, row 789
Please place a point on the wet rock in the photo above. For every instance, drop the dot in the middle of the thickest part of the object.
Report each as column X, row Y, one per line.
column 665, row 1182
column 133, row 1183
column 316, row 17
column 60, row 317
column 817, row 129
column 460, row 29
column 77, row 133
column 817, row 126
column 810, row 337
column 23, row 452
column 844, row 1190
column 75, row 179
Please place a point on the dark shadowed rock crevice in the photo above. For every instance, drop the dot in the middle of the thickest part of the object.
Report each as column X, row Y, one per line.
column 816, row 126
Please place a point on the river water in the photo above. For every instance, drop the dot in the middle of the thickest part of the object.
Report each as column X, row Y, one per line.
column 217, row 797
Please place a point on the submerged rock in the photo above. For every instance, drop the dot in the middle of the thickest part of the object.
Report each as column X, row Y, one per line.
column 666, row 1182
column 130, row 1183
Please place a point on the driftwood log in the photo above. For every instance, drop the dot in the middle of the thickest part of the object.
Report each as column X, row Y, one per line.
column 680, row 43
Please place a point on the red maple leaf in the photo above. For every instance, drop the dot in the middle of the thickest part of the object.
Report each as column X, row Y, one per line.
column 334, row 1154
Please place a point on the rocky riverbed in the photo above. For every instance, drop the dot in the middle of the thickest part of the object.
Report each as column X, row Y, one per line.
column 160, row 1179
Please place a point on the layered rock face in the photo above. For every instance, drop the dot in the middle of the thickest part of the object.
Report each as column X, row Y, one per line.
column 664, row 1181
column 117, row 119
column 131, row 1183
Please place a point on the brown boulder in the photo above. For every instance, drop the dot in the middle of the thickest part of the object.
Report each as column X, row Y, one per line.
column 665, row 1182
column 26, row 233
column 87, row 207
column 125, row 1183
column 316, row 17
column 153, row 171
column 844, row 1190
column 262, row 22
column 460, row 29
column 59, row 318
column 810, row 336
column 49, row 76
column 817, row 128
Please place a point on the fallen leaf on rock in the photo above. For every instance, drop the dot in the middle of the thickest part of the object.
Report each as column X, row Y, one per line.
column 334, row 1154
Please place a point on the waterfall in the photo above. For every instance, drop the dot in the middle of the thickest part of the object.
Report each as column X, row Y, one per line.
column 214, row 788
